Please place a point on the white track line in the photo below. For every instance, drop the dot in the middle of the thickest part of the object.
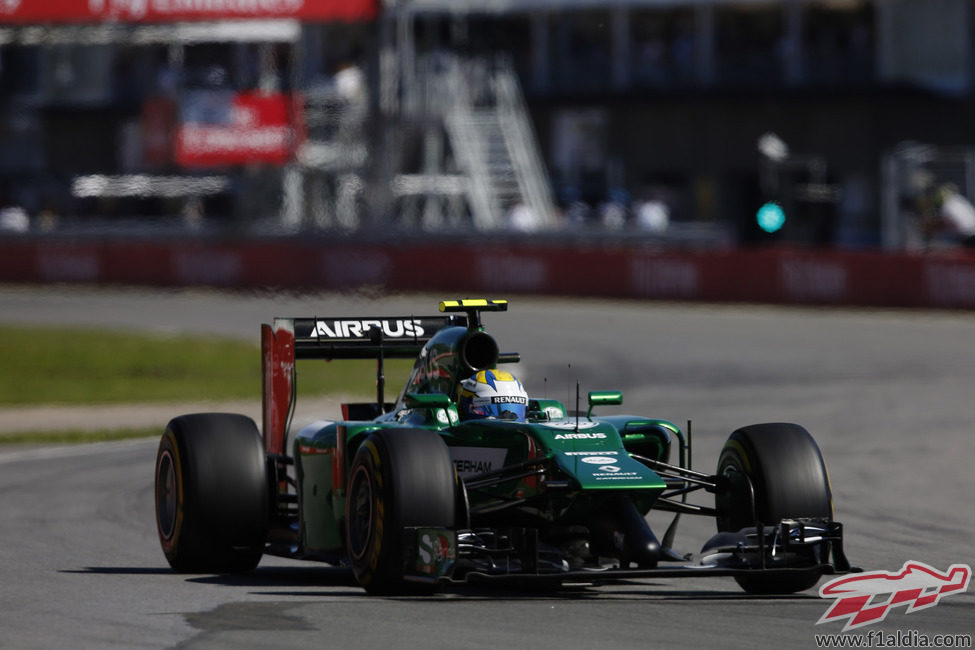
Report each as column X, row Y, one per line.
column 69, row 451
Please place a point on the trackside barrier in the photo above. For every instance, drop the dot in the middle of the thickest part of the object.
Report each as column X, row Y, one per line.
column 776, row 275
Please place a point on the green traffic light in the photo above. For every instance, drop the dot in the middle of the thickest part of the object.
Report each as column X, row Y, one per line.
column 770, row 217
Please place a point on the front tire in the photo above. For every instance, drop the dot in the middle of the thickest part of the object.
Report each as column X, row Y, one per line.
column 211, row 493
column 774, row 471
column 399, row 478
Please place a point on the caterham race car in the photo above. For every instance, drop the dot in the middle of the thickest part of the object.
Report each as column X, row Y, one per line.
column 466, row 478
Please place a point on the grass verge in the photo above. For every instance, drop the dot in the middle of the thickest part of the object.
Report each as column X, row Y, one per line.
column 93, row 366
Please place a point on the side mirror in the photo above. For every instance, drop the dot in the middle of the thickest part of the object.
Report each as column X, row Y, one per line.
column 604, row 398
column 427, row 401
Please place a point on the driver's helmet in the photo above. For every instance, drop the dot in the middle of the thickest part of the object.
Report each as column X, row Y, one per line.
column 492, row 394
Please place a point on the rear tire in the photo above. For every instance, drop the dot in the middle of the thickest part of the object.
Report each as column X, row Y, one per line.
column 399, row 478
column 211, row 493
column 775, row 471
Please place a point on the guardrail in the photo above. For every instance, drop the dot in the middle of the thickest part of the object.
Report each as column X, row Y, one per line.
column 620, row 270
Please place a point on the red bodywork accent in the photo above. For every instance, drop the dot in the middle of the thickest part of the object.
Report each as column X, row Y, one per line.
column 277, row 365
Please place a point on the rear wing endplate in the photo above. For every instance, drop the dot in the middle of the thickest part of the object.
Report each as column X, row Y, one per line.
column 288, row 339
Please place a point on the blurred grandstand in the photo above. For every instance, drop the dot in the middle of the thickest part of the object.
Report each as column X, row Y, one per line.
column 669, row 120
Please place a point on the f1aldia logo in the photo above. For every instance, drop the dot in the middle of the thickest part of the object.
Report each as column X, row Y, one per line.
column 867, row 598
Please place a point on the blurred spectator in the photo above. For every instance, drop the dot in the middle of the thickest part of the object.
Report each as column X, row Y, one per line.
column 953, row 217
column 683, row 50
column 13, row 218
column 192, row 213
column 350, row 82
column 522, row 218
column 653, row 216
column 577, row 213
column 47, row 218
column 650, row 59
column 612, row 215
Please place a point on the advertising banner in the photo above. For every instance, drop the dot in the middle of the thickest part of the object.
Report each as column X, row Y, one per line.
column 223, row 127
column 164, row 11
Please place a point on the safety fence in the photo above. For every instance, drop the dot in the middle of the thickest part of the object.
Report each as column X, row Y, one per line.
column 942, row 279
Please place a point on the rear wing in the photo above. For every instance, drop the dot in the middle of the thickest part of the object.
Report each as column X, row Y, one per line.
column 364, row 338
column 288, row 339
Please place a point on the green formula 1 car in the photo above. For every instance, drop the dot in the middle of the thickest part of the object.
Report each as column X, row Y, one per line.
column 414, row 494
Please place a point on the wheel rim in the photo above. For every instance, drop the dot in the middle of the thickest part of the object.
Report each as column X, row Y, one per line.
column 166, row 497
column 360, row 524
column 737, row 509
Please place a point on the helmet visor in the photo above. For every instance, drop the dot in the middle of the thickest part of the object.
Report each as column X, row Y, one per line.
column 499, row 408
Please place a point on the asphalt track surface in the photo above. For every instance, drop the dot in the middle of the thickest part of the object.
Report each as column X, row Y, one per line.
column 887, row 394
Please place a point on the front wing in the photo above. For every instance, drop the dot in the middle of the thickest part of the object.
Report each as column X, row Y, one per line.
column 789, row 548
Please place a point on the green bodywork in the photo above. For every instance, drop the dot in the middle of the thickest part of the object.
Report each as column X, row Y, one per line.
column 585, row 459
column 554, row 469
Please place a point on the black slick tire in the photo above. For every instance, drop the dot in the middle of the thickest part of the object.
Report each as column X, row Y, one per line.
column 211, row 493
column 398, row 478
column 775, row 471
